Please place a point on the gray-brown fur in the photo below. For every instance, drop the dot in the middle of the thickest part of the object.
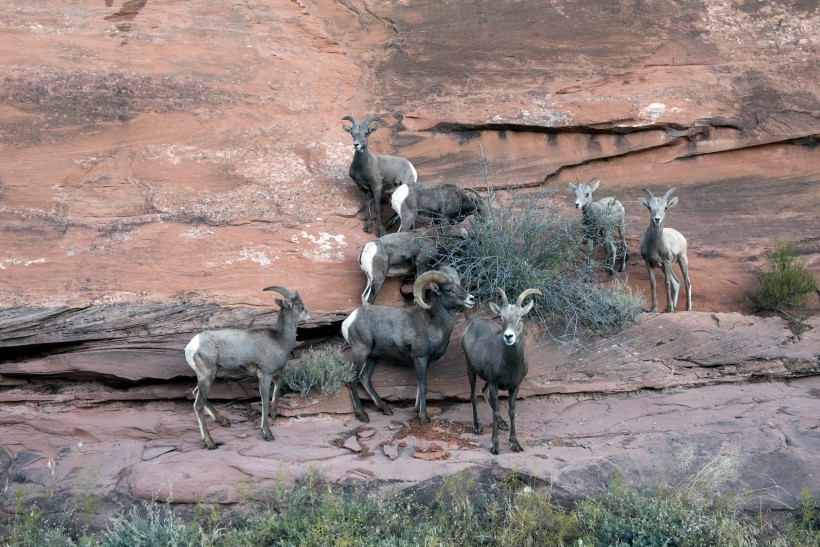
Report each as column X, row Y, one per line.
column 377, row 176
column 599, row 219
column 662, row 248
column 441, row 203
column 416, row 335
column 495, row 353
column 261, row 351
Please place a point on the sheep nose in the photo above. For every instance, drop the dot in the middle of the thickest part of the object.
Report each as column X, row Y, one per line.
column 577, row 205
column 357, row 145
column 470, row 300
column 509, row 338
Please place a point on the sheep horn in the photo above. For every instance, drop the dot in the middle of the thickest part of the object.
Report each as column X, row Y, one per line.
column 370, row 119
column 281, row 290
column 668, row 193
column 423, row 280
column 525, row 294
column 500, row 291
column 449, row 270
column 351, row 120
column 590, row 181
column 650, row 193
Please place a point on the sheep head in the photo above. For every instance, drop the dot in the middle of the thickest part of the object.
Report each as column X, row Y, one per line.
column 446, row 284
column 293, row 302
column 512, row 315
column 360, row 131
column 658, row 206
column 583, row 192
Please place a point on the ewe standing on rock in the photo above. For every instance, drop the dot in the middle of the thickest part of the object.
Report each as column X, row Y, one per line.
column 661, row 248
column 495, row 353
column 377, row 176
column 261, row 351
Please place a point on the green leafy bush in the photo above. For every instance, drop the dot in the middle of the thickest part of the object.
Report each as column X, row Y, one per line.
column 318, row 371
column 787, row 282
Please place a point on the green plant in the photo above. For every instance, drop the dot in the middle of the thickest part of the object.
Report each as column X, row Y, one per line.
column 323, row 371
column 787, row 282
column 154, row 525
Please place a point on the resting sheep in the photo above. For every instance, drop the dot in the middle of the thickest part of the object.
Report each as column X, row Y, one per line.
column 416, row 334
column 440, row 202
column 661, row 248
column 599, row 218
column 495, row 353
column 376, row 176
column 261, row 351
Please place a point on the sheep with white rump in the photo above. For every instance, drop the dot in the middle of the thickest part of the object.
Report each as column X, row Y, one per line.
column 232, row 353
column 495, row 353
column 439, row 202
column 376, row 176
column 402, row 253
column 416, row 334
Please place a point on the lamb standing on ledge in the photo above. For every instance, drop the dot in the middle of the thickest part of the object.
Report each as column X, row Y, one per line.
column 441, row 202
column 234, row 353
column 661, row 248
column 377, row 176
column 496, row 354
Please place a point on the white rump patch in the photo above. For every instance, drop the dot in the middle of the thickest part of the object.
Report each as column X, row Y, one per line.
column 398, row 197
column 347, row 322
column 190, row 351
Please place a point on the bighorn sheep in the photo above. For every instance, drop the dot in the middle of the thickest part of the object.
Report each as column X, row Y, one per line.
column 377, row 176
column 661, row 248
column 438, row 201
column 244, row 352
column 496, row 354
column 416, row 334
column 401, row 253
column 599, row 218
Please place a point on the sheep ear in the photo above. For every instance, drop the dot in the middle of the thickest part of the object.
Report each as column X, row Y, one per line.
column 283, row 303
column 594, row 185
column 348, row 129
column 644, row 203
column 672, row 202
column 371, row 129
column 494, row 308
column 526, row 309
column 434, row 287
column 572, row 187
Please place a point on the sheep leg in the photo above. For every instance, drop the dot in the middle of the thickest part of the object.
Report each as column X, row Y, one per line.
column 201, row 394
column 421, row 379
column 365, row 377
column 274, row 397
column 368, row 225
column 392, row 220
column 377, row 205
column 651, row 272
column 622, row 234
column 471, row 376
column 672, row 286
column 501, row 423
column 376, row 285
column 684, row 270
column 264, row 392
column 361, row 414
column 514, row 445
column 493, row 400
column 611, row 254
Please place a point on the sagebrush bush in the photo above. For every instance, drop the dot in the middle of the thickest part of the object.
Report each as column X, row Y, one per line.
column 318, row 371
column 787, row 282
column 526, row 242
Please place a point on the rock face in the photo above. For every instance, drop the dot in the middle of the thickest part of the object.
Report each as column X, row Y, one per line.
column 161, row 163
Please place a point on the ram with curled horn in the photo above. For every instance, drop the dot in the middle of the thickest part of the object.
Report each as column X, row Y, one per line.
column 416, row 335
column 495, row 353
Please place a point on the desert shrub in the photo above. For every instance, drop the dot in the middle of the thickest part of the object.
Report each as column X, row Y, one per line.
column 526, row 242
column 154, row 525
column 787, row 282
column 318, row 371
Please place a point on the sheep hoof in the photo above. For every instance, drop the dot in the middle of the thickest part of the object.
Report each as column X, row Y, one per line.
column 225, row 422
column 494, row 450
column 267, row 436
column 211, row 446
column 424, row 420
column 503, row 426
column 387, row 410
column 476, row 430
column 362, row 416
column 516, row 447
